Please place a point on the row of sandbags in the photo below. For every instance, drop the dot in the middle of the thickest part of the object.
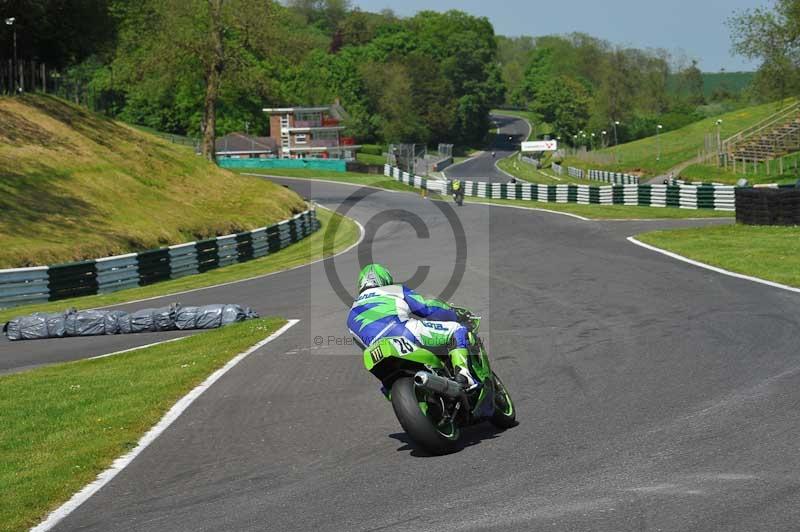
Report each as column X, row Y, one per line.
column 97, row 322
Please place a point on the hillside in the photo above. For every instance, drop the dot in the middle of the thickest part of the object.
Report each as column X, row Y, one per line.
column 734, row 82
column 677, row 146
column 77, row 185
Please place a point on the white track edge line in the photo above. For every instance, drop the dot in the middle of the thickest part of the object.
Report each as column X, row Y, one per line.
column 150, row 436
column 713, row 268
column 530, row 209
column 356, row 243
column 139, row 347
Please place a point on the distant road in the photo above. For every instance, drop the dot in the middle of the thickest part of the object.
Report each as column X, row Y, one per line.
column 483, row 167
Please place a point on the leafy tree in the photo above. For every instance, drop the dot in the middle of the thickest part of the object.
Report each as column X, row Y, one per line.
column 772, row 36
column 692, row 84
column 324, row 14
column 60, row 33
column 564, row 103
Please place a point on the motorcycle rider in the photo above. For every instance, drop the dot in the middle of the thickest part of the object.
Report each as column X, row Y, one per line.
column 458, row 191
column 384, row 309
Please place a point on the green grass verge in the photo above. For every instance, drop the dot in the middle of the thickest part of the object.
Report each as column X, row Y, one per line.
column 679, row 145
column 708, row 173
column 612, row 212
column 64, row 424
column 368, row 158
column 307, row 250
column 372, row 180
column 514, row 166
column 771, row 253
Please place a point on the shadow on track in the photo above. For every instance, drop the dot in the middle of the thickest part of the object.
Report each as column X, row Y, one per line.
column 471, row 435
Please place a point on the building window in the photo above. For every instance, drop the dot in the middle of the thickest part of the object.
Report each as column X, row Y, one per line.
column 300, row 138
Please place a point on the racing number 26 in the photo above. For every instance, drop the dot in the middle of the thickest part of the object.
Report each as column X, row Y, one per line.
column 404, row 346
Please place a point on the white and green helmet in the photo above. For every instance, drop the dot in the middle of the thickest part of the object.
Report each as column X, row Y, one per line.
column 373, row 275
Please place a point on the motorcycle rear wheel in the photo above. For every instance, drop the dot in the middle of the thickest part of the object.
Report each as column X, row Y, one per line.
column 421, row 418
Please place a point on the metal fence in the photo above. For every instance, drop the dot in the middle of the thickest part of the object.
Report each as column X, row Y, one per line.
column 51, row 283
column 25, row 76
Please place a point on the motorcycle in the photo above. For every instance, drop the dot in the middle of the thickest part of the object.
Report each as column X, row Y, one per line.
column 458, row 193
column 431, row 406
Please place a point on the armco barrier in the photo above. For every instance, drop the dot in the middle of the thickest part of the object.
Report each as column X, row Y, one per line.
column 721, row 198
column 577, row 173
column 50, row 283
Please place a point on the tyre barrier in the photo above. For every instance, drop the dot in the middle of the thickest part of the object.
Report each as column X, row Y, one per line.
column 768, row 206
column 22, row 286
column 615, row 178
column 721, row 198
column 435, row 185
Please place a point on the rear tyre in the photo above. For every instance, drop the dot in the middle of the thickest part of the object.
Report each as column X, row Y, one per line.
column 421, row 418
column 505, row 413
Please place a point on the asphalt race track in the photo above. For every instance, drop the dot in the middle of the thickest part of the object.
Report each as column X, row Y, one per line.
column 652, row 394
column 482, row 167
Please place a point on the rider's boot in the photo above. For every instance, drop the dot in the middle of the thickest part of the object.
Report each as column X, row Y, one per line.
column 458, row 357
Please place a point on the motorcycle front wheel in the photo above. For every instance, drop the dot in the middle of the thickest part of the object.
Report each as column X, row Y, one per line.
column 505, row 414
column 422, row 418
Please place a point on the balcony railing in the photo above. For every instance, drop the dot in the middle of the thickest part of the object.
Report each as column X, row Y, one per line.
column 325, row 143
column 307, row 123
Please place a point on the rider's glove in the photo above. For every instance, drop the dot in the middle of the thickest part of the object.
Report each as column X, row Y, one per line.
column 464, row 315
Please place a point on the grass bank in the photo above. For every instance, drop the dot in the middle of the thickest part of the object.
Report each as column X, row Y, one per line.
column 708, row 173
column 677, row 146
column 77, row 185
column 527, row 172
column 303, row 252
column 64, row 424
column 611, row 212
column 771, row 253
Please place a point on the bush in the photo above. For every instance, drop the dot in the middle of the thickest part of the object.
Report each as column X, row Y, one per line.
column 373, row 149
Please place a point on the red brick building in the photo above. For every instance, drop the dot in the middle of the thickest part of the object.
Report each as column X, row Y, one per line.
column 311, row 132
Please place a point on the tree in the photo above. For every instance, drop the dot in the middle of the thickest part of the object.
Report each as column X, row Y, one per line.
column 772, row 36
column 187, row 51
column 564, row 103
column 692, row 84
column 325, row 14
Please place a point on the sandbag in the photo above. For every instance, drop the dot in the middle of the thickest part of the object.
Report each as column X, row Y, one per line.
column 86, row 323
column 186, row 317
column 213, row 316
column 152, row 320
column 101, row 322
column 36, row 326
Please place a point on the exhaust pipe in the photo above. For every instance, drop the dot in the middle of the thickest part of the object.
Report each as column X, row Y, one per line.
column 441, row 385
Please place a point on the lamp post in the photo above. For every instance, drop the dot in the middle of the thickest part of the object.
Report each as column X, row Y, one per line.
column 592, row 142
column 719, row 143
column 658, row 141
column 604, row 138
column 14, row 67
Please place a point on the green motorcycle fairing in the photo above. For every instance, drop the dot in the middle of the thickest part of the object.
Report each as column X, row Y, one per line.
column 391, row 358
